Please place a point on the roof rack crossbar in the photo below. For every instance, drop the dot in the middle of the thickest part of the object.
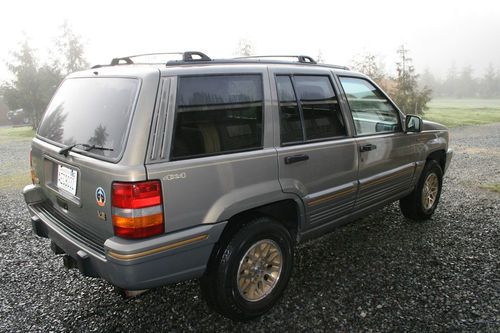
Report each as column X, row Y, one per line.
column 188, row 56
column 301, row 58
column 198, row 56
column 117, row 61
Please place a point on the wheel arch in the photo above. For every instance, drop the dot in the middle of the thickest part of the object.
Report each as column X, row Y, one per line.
column 438, row 156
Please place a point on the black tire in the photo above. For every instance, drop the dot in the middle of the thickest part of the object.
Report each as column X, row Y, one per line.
column 219, row 285
column 412, row 206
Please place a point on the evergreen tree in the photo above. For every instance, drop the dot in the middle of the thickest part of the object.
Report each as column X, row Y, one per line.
column 408, row 96
column 320, row 59
column 245, row 48
column 466, row 85
column 450, row 85
column 490, row 83
column 71, row 54
column 33, row 85
column 427, row 79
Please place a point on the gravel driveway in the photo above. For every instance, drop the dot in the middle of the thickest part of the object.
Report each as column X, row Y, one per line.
column 382, row 273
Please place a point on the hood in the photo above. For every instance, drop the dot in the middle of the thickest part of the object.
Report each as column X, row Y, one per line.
column 430, row 125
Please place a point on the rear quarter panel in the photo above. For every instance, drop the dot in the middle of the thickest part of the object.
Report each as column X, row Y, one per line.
column 214, row 188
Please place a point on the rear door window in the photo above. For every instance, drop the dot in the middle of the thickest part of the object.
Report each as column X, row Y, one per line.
column 92, row 111
column 217, row 114
column 309, row 109
column 290, row 118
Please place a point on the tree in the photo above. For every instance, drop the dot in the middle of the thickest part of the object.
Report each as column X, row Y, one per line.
column 409, row 97
column 71, row 54
column 370, row 65
column 245, row 48
column 490, row 83
column 466, row 85
column 450, row 85
column 320, row 59
column 32, row 86
column 427, row 79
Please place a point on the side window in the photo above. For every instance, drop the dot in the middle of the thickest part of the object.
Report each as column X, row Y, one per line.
column 217, row 114
column 371, row 110
column 291, row 125
column 309, row 109
column 322, row 117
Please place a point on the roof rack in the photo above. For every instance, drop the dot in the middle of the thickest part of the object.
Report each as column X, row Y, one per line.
column 188, row 56
column 301, row 58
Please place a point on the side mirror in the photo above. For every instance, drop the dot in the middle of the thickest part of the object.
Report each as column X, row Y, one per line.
column 413, row 123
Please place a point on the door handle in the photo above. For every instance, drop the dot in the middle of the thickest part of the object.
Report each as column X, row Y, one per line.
column 367, row 147
column 296, row 158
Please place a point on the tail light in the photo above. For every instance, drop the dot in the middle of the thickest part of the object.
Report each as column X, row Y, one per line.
column 32, row 170
column 137, row 209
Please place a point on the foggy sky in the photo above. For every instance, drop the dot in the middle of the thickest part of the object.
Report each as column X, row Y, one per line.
column 438, row 33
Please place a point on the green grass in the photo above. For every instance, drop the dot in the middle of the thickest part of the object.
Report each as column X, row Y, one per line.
column 16, row 133
column 15, row 180
column 495, row 187
column 462, row 112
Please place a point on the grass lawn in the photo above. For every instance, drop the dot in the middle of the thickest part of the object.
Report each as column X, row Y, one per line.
column 495, row 187
column 16, row 133
column 461, row 112
column 15, row 180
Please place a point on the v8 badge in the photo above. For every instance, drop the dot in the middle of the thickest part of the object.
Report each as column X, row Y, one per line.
column 101, row 215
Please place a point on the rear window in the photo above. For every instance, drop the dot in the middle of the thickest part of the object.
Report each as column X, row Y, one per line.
column 91, row 111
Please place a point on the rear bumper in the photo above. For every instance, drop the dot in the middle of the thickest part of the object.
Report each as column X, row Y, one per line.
column 131, row 264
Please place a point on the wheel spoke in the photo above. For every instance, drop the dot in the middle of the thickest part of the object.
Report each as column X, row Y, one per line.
column 430, row 191
column 273, row 255
column 245, row 285
column 259, row 270
column 246, row 275
column 251, row 289
column 269, row 283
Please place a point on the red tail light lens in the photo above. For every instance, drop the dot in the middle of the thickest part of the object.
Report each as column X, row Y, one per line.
column 137, row 209
column 137, row 195
column 32, row 170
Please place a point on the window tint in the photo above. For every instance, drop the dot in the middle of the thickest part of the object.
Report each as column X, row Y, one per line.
column 94, row 111
column 314, row 107
column 322, row 117
column 291, row 125
column 217, row 114
column 371, row 110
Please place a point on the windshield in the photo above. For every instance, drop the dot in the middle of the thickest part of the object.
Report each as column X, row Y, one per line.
column 93, row 111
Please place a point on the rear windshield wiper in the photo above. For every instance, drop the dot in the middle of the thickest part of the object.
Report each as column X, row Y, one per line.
column 65, row 150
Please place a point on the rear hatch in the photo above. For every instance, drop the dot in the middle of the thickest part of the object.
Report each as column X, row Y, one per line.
column 86, row 141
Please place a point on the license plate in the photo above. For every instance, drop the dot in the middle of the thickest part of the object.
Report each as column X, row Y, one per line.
column 66, row 179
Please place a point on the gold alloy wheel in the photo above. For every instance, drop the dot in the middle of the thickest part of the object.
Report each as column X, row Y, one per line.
column 259, row 270
column 430, row 191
